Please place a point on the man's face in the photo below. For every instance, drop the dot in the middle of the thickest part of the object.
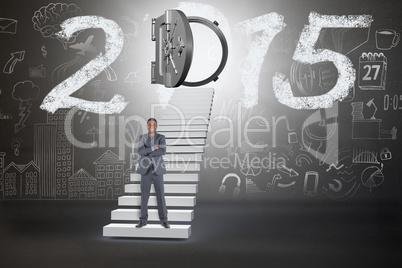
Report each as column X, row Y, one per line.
column 151, row 127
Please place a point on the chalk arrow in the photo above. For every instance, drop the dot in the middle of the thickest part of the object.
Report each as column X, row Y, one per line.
column 304, row 157
column 110, row 74
column 272, row 184
column 286, row 170
column 335, row 189
column 15, row 57
column 282, row 185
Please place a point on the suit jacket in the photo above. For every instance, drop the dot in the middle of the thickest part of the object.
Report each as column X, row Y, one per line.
column 146, row 153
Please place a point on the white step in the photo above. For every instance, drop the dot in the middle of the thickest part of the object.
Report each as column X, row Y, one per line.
column 193, row 93
column 173, row 142
column 194, row 103
column 192, row 96
column 175, row 122
column 149, row 231
column 171, row 177
column 186, row 116
column 184, row 134
column 183, row 128
column 169, row 188
column 205, row 110
column 182, row 90
column 171, row 201
column 183, row 167
column 183, row 157
column 125, row 214
column 183, row 104
column 196, row 89
column 184, row 149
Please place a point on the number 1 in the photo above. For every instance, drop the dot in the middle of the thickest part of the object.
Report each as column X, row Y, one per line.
column 270, row 25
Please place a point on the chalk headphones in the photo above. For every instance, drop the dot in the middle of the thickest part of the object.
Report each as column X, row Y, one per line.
column 236, row 191
column 174, row 49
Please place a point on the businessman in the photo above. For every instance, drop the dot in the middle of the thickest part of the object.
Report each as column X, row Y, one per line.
column 151, row 148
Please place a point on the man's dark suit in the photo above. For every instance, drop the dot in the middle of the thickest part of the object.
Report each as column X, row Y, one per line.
column 151, row 167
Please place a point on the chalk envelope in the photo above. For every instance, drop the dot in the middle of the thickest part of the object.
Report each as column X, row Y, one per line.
column 8, row 26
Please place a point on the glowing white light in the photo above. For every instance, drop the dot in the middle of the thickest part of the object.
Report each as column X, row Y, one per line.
column 213, row 14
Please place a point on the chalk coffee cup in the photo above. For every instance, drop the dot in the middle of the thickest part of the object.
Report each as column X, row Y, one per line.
column 386, row 39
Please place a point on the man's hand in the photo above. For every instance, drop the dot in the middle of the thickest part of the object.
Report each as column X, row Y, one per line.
column 156, row 147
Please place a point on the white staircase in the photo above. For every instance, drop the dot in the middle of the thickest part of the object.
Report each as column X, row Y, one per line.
column 186, row 133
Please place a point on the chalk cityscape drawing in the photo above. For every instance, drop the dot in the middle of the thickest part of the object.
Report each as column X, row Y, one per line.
column 40, row 181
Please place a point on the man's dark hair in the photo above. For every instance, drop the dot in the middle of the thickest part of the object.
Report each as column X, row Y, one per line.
column 152, row 119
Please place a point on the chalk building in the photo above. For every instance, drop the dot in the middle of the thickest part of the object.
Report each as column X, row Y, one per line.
column 21, row 181
column 127, row 175
column 2, row 155
column 82, row 185
column 64, row 152
column 45, row 158
column 109, row 174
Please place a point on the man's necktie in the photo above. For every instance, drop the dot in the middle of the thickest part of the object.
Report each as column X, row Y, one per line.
column 149, row 141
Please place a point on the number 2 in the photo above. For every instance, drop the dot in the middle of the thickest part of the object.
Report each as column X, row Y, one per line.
column 60, row 96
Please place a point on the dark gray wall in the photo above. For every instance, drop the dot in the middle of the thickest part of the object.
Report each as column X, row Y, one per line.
column 361, row 172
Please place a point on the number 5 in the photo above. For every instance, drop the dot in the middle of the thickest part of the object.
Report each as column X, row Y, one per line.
column 305, row 53
column 60, row 97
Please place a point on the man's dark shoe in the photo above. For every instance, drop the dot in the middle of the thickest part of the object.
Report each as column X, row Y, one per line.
column 141, row 224
column 165, row 224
